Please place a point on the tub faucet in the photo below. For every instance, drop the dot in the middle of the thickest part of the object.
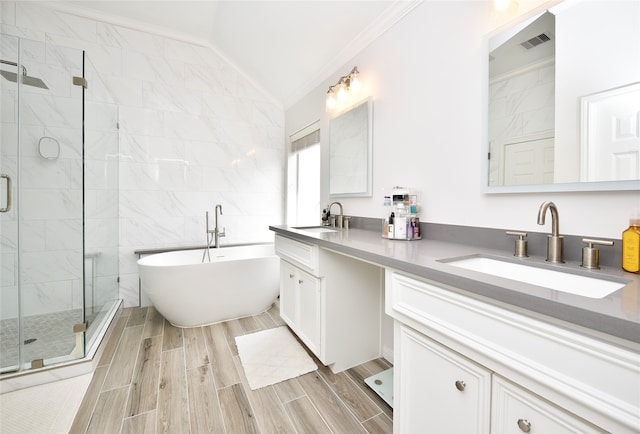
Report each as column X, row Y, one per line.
column 216, row 232
column 338, row 217
column 555, row 240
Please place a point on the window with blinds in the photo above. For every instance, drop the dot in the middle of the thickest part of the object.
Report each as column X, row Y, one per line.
column 303, row 177
column 304, row 142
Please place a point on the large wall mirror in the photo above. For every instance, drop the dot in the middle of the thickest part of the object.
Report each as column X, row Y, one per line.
column 564, row 100
column 350, row 151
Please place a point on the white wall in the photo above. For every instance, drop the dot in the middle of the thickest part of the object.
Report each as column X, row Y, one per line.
column 426, row 79
column 194, row 132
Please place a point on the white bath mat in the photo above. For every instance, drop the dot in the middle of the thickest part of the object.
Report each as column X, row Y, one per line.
column 271, row 356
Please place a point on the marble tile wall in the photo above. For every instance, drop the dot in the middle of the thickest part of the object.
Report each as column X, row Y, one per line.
column 520, row 104
column 194, row 132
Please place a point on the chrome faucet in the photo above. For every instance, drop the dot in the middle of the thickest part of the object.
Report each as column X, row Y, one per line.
column 339, row 218
column 216, row 232
column 555, row 240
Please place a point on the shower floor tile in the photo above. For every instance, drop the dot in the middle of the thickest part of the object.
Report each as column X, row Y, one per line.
column 49, row 335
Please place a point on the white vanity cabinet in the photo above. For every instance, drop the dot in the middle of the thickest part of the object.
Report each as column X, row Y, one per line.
column 521, row 373
column 300, row 303
column 332, row 301
column 440, row 391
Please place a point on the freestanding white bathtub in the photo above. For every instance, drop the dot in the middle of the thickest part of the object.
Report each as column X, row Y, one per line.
column 239, row 281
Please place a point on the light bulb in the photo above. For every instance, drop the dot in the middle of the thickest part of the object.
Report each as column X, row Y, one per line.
column 342, row 91
column 330, row 102
column 354, row 83
column 501, row 5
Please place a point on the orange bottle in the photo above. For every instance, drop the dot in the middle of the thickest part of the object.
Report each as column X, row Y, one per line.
column 631, row 247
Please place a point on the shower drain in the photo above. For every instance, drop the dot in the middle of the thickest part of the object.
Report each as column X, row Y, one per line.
column 29, row 341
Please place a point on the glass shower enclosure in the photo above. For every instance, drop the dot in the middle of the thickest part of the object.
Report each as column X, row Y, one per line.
column 58, row 204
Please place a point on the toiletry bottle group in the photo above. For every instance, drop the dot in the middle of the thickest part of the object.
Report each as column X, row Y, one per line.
column 401, row 221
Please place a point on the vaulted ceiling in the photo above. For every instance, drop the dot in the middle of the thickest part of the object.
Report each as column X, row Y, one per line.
column 285, row 47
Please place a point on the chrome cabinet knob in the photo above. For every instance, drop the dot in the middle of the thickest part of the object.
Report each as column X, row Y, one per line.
column 290, row 276
column 300, row 281
column 460, row 385
column 524, row 425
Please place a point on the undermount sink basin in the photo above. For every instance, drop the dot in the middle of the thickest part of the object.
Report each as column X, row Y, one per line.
column 552, row 279
column 315, row 229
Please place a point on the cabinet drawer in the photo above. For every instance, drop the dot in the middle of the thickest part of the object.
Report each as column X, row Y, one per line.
column 516, row 410
column 298, row 253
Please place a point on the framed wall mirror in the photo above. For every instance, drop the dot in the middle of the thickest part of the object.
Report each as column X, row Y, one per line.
column 564, row 100
column 350, row 151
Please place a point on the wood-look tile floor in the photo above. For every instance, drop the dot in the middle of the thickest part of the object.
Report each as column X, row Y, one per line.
column 157, row 378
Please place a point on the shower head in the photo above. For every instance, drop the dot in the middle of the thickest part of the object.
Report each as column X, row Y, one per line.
column 27, row 80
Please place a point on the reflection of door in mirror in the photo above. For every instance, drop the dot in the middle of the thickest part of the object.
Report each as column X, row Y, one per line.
column 528, row 160
column 521, row 105
column 610, row 146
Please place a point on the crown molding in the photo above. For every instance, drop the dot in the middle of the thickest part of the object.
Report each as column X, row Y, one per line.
column 161, row 31
column 118, row 20
column 386, row 20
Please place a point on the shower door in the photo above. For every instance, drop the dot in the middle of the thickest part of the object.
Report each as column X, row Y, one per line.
column 101, row 227
column 41, row 301
column 9, row 247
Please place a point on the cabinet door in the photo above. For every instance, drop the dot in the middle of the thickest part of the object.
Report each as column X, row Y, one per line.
column 437, row 390
column 309, row 320
column 516, row 410
column 288, row 297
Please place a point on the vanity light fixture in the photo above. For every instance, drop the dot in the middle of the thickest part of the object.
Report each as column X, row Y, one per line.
column 505, row 6
column 501, row 5
column 339, row 91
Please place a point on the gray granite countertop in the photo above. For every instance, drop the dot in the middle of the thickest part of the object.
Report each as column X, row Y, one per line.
column 614, row 318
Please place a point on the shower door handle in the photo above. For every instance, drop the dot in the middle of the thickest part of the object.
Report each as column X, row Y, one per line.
column 8, row 207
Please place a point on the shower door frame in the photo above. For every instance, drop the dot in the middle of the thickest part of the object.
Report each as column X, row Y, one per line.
column 75, row 339
column 8, row 169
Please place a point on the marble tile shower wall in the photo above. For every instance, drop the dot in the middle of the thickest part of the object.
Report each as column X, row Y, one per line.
column 193, row 133
column 50, row 189
column 520, row 104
